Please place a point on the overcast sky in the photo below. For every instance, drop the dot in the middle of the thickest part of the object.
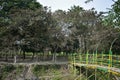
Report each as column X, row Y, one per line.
column 99, row 5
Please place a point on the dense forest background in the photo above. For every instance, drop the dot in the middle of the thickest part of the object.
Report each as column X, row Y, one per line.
column 29, row 26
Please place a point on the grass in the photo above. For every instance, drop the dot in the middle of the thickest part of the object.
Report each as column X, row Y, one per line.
column 47, row 70
column 55, row 72
column 5, row 70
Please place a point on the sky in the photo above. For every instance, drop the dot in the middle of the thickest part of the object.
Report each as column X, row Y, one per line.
column 99, row 5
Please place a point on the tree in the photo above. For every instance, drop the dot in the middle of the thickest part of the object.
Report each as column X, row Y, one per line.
column 116, row 12
column 9, row 6
column 87, row 29
column 31, row 27
column 112, row 20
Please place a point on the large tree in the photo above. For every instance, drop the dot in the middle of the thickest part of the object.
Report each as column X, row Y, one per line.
column 88, row 30
column 30, row 27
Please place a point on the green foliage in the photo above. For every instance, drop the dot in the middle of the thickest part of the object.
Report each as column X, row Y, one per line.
column 8, row 68
column 38, row 70
column 5, row 70
column 19, row 69
column 75, row 9
column 61, row 31
column 46, row 70
column 7, row 5
column 116, row 10
column 87, row 1
column 32, row 25
column 113, row 16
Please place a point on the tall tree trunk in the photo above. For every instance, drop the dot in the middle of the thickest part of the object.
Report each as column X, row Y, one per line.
column 54, row 54
column 6, row 57
column 85, row 45
column 24, row 55
column 33, row 55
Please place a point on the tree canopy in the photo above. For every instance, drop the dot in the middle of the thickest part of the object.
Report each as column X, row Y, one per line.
column 28, row 23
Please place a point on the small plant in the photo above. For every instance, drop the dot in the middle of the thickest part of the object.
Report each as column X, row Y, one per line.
column 19, row 69
column 38, row 70
column 6, row 69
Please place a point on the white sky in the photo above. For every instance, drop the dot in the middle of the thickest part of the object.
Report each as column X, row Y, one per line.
column 99, row 5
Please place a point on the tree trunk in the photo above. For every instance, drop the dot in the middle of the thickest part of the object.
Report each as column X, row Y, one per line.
column 33, row 55
column 24, row 55
column 15, row 59
column 6, row 57
column 85, row 45
column 54, row 54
